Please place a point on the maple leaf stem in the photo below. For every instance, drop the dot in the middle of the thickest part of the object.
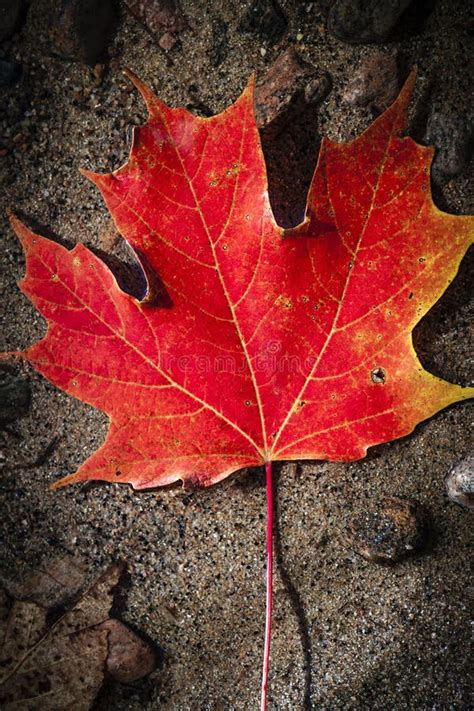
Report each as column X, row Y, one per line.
column 269, row 585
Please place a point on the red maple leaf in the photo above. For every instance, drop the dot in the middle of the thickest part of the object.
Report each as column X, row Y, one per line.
column 274, row 344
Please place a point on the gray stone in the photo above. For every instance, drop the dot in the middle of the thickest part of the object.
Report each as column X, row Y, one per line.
column 361, row 21
column 460, row 483
column 452, row 134
column 10, row 16
column 82, row 28
column 266, row 19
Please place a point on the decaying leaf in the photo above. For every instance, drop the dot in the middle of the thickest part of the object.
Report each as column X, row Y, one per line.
column 52, row 584
column 62, row 664
column 261, row 343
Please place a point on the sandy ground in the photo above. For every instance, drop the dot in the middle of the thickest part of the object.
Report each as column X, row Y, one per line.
column 348, row 634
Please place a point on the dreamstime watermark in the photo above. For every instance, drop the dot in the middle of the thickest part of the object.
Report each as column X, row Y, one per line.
column 270, row 361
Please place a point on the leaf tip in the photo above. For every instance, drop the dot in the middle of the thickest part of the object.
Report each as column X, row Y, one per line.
column 152, row 102
column 14, row 221
column 410, row 81
column 251, row 83
column 24, row 234
column 400, row 106
column 95, row 178
column 11, row 356
column 65, row 481
column 467, row 393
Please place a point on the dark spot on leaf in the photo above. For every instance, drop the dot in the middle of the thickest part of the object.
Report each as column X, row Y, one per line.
column 378, row 376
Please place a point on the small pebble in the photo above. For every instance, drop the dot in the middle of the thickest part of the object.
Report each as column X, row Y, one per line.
column 158, row 15
column 389, row 529
column 167, row 41
column 19, row 138
column 460, row 483
column 98, row 73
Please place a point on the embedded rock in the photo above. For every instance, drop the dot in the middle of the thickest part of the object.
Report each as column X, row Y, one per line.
column 289, row 82
column 266, row 19
column 362, row 21
column 389, row 529
column 376, row 83
column 452, row 134
column 82, row 29
column 460, row 483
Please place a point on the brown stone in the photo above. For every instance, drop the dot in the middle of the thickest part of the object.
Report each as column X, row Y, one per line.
column 289, row 82
column 376, row 82
column 167, row 41
column 82, row 29
column 389, row 529
column 129, row 657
